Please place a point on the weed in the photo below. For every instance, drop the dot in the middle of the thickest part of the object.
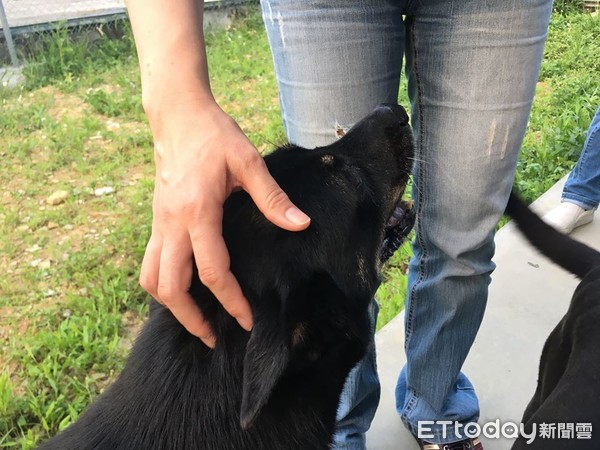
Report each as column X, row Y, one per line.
column 63, row 56
column 392, row 292
column 112, row 105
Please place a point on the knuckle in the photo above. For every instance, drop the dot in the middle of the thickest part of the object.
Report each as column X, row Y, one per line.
column 165, row 212
column 252, row 160
column 181, row 210
column 275, row 198
column 234, row 310
column 248, row 166
column 196, row 203
column 166, row 293
column 147, row 282
column 209, row 276
column 189, row 205
column 182, row 202
column 202, row 331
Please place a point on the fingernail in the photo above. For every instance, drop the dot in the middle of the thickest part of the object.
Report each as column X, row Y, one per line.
column 296, row 216
column 246, row 324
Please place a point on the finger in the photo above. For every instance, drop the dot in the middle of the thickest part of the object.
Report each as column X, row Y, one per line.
column 269, row 197
column 173, row 284
column 212, row 261
column 186, row 311
column 151, row 261
column 150, row 266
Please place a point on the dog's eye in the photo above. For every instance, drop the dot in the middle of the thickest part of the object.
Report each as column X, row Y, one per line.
column 298, row 335
column 328, row 160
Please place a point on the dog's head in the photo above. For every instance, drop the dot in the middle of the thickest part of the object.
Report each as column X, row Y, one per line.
column 310, row 290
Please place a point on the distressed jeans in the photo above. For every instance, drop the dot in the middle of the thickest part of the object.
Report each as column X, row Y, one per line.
column 583, row 185
column 471, row 68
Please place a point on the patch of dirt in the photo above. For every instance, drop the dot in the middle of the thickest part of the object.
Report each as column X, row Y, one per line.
column 250, row 122
column 543, row 89
column 131, row 323
column 64, row 105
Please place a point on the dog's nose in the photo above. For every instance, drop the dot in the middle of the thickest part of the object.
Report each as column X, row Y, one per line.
column 398, row 111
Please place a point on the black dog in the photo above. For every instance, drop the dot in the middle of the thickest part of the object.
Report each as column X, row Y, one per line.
column 568, row 390
column 277, row 387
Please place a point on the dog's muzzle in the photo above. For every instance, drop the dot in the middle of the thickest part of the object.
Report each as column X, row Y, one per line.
column 397, row 228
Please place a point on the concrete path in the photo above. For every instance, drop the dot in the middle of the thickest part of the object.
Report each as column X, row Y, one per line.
column 11, row 77
column 528, row 296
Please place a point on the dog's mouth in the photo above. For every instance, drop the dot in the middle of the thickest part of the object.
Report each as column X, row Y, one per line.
column 398, row 227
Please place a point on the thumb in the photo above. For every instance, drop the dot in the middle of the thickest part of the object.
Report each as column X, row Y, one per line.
column 270, row 198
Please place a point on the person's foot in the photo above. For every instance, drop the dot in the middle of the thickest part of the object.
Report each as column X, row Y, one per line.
column 467, row 444
column 568, row 216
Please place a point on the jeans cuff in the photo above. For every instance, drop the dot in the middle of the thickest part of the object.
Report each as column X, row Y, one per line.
column 579, row 201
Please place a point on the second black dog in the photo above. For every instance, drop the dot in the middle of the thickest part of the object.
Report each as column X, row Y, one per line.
column 568, row 390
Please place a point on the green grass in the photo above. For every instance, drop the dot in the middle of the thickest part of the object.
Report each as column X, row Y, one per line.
column 69, row 299
column 567, row 97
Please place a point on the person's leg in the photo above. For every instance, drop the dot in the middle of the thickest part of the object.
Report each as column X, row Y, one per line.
column 472, row 69
column 581, row 193
column 334, row 62
column 583, row 185
column 360, row 397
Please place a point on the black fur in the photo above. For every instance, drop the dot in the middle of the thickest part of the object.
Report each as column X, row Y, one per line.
column 568, row 388
column 277, row 387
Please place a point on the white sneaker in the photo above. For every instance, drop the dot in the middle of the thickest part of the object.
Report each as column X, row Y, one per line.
column 568, row 216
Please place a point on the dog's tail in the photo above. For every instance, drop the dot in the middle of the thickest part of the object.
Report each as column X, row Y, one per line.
column 568, row 253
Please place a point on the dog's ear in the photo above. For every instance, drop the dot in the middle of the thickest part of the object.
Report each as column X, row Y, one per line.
column 269, row 351
column 300, row 325
column 267, row 357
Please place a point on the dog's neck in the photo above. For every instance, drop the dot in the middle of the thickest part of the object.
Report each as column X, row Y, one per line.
column 302, row 407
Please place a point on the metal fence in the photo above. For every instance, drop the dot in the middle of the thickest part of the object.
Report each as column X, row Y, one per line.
column 23, row 16
column 19, row 17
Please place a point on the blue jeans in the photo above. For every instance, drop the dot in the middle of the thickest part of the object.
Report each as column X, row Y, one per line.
column 472, row 68
column 583, row 185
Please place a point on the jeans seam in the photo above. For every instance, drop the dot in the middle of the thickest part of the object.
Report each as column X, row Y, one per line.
column 585, row 152
column 409, row 407
column 582, row 161
column 418, row 236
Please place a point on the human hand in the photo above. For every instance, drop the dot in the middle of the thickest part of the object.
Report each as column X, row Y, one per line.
column 201, row 156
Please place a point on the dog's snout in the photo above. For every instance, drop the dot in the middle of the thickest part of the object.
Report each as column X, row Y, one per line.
column 398, row 111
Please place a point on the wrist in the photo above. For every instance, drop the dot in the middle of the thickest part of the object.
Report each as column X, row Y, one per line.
column 172, row 91
column 168, row 106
